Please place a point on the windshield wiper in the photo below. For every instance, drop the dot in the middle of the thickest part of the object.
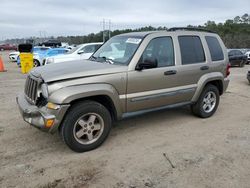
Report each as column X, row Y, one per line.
column 110, row 61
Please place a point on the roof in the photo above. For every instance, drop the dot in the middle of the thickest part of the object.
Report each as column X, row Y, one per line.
column 139, row 34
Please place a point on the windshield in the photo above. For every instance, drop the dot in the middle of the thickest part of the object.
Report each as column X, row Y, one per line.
column 119, row 49
column 74, row 49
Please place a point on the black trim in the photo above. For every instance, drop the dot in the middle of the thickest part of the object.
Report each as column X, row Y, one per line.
column 190, row 29
column 167, row 94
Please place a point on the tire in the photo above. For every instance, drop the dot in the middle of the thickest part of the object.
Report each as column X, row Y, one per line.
column 36, row 63
column 83, row 120
column 242, row 64
column 199, row 109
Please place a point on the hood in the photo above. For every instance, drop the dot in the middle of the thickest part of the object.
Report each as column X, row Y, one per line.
column 75, row 69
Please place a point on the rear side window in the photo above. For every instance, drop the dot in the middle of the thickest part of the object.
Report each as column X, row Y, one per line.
column 89, row 49
column 191, row 50
column 214, row 48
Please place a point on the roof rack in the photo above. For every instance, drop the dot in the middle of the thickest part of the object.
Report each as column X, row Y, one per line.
column 189, row 29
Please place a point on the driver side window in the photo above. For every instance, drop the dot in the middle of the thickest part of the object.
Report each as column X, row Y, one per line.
column 161, row 49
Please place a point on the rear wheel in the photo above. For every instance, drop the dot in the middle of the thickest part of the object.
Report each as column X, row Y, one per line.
column 86, row 126
column 242, row 63
column 207, row 103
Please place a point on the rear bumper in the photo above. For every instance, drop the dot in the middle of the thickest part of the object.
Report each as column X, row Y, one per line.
column 226, row 83
column 248, row 76
column 38, row 116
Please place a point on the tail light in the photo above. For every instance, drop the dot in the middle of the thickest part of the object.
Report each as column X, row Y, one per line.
column 228, row 70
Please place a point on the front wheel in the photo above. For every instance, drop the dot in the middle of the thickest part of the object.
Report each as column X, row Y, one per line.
column 36, row 63
column 86, row 126
column 207, row 103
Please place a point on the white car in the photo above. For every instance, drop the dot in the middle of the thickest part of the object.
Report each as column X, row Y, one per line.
column 38, row 52
column 248, row 57
column 83, row 51
column 13, row 56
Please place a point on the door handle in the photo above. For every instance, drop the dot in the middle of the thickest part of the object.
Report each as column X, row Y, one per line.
column 171, row 72
column 204, row 68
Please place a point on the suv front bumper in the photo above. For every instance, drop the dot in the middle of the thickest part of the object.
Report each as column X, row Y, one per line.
column 38, row 116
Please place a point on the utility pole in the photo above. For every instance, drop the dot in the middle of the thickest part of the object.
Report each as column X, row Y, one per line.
column 109, row 28
column 104, row 31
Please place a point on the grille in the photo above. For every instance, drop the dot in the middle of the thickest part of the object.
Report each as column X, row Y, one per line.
column 30, row 90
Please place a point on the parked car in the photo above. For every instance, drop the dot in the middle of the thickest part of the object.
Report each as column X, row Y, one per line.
column 237, row 57
column 149, row 70
column 248, row 57
column 248, row 76
column 13, row 56
column 7, row 47
column 83, row 51
column 51, row 43
column 38, row 54
column 39, row 58
column 38, row 51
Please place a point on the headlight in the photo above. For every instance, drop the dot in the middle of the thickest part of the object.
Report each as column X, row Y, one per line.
column 36, row 56
column 45, row 91
column 50, row 60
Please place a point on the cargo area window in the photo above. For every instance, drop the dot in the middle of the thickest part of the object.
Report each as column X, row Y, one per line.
column 214, row 48
column 191, row 50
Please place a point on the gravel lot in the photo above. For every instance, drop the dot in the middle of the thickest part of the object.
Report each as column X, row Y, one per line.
column 169, row 148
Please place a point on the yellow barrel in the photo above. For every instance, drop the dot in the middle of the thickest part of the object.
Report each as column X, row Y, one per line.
column 26, row 60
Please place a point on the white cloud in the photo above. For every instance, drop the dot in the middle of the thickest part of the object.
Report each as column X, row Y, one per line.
column 63, row 17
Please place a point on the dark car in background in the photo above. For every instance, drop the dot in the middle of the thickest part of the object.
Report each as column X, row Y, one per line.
column 51, row 43
column 237, row 57
column 7, row 47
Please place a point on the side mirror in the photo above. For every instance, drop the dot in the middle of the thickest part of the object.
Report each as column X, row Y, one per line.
column 148, row 63
column 80, row 52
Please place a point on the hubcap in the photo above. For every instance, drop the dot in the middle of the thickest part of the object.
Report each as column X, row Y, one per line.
column 209, row 102
column 88, row 128
column 36, row 64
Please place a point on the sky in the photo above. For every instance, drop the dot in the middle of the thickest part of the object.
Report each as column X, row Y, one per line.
column 26, row 18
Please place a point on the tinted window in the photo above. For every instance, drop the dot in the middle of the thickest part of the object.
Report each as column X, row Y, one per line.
column 238, row 52
column 231, row 53
column 191, row 50
column 160, row 49
column 214, row 48
column 97, row 46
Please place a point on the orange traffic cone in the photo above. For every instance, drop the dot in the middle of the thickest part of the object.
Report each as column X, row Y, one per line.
column 1, row 65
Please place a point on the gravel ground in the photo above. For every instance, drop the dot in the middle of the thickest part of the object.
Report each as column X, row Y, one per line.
column 169, row 148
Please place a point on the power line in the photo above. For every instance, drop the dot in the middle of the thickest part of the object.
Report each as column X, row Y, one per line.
column 106, row 24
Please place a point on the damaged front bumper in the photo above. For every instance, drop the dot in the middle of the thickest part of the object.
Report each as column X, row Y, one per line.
column 39, row 116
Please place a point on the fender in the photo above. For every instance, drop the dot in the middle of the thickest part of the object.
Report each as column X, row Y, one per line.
column 204, row 80
column 68, row 94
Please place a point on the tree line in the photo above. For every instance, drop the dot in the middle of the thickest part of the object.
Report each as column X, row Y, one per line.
column 234, row 32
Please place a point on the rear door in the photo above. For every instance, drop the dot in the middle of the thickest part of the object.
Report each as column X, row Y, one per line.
column 193, row 62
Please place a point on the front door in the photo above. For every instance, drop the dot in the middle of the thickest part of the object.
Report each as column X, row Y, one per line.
column 158, row 86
